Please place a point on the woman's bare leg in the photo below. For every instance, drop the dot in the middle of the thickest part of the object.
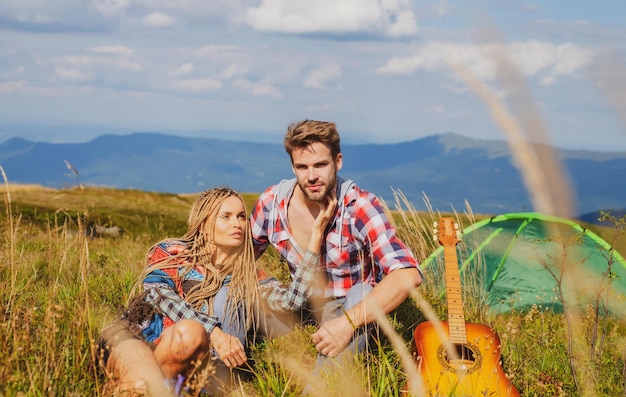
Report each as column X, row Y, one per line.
column 135, row 371
column 181, row 345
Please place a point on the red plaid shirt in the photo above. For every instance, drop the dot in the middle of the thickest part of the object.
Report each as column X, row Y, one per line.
column 360, row 244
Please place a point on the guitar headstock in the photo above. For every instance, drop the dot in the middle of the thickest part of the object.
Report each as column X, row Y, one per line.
column 447, row 232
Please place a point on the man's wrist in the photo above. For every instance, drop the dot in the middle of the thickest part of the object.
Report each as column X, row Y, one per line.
column 349, row 318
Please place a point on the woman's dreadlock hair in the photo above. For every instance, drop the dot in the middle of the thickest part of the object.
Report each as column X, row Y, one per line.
column 240, row 266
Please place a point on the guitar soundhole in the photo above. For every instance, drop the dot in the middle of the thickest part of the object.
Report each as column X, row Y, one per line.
column 460, row 357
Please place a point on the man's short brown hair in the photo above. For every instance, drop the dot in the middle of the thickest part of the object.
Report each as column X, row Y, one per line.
column 304, row 133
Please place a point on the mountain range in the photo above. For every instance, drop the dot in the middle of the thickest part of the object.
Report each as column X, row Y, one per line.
column 446, row 170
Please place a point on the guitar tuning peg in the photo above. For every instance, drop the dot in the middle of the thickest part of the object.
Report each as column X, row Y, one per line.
column 435, row 224
column 456, row 226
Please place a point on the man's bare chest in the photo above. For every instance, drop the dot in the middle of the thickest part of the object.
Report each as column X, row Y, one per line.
column 300, row 226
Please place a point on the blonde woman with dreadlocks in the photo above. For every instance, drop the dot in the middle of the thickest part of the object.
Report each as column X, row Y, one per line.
column 197, row 299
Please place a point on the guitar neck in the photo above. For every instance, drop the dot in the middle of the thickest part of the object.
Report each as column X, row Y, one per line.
column 456, row 316
column 466, row 362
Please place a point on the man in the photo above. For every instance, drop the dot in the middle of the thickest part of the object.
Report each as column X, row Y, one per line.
column 366, row 268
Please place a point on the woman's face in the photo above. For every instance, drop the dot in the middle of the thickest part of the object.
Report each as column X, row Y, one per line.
column 230, row 225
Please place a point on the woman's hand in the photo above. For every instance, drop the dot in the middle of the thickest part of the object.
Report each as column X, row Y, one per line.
column 228, row 348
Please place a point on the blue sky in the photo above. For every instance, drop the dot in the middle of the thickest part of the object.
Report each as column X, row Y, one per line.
column 383, row 70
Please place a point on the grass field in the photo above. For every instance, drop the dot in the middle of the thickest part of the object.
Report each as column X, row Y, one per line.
column 58, row 287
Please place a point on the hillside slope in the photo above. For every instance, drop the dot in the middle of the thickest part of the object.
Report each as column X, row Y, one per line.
column 448, row 169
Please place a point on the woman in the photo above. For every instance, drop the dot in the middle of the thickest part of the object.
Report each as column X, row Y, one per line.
column 197, row 300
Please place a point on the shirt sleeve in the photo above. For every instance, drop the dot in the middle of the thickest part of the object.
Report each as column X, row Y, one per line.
column 294, row 296
column 162, row 290
column 259, row 218
column 176, row 308
column 372, row 223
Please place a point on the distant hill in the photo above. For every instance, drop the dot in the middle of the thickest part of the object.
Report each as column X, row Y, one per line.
column 594, row 216
column 448, row 169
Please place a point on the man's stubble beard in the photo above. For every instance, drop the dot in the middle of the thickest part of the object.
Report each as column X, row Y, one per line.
column 324, row 195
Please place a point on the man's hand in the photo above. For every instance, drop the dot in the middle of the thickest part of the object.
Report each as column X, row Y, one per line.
column 333, row 336
column 325, row 214
column 228, row 348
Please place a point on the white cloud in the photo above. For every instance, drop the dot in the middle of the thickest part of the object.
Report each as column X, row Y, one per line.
column 436, row 55
column 322, row 107
column 111, row 8
column 211, row 50
column 114, row 50
column 533, row 58
column 393, row 18
column 439, row 9
column 72, row 75
column 266, row 90
column 36, row 18
column 405, row 25
column 233, row 70
column 105, row 63
column 119, row 63
column 571, row 58
column 34, row 7
column 184, row 69
column 23, row 87
column 110, row 15
column 159, row 20
column 120, row 57
column 217, row 49
column 437, row 109
column 257, row 89
column 322, row 75
column 199, row 85
column 12, row 86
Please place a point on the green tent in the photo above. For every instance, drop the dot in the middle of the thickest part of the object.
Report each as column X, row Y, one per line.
column 517, row 260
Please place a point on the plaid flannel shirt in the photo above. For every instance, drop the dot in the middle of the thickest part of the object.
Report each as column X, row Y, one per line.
column 294, row 296
column 360, row 244
column 165, row 290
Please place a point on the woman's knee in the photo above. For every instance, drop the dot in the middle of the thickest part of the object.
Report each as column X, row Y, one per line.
column 187, row 339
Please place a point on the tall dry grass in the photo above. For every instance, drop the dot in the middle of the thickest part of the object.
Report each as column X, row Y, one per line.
column 548, row 186
column 58, row 287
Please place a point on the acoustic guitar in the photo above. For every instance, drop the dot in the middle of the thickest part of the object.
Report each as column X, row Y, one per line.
column 458, row 358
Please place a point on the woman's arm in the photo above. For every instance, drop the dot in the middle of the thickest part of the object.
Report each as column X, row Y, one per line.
column 294, row 296
column 173, row 306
